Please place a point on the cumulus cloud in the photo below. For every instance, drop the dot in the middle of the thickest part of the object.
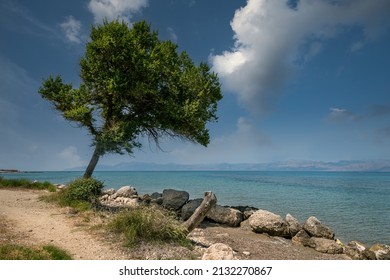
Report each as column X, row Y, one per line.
column 273, row 38
column 113, row 9
column 71, row 28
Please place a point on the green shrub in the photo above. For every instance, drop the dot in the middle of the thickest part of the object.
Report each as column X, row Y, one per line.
column 150, row 224
column 84, row 190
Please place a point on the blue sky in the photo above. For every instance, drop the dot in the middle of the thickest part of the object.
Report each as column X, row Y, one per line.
column 302, row 80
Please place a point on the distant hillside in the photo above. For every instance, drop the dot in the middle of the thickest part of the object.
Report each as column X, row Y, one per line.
column 374, row 166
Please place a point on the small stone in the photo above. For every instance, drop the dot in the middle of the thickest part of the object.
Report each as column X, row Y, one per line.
column 218, row 251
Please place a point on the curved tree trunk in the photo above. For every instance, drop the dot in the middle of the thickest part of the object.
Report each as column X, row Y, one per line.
column 92, row 163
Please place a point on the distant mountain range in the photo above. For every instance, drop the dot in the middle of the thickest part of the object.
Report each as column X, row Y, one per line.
column 292, row 165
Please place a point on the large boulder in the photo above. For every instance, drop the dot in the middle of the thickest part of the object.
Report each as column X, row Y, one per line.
column 173, row 199
column 189, row 208
column 301, row 238
column 325, row 245
column 218, row 251
column 125, row 191
column 293, row 225
column 263, row 221
column 316, row 229
column 381, row 251
column 225, row 215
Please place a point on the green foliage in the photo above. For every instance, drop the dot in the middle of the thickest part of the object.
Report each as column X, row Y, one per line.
column 20, row 252
column 133, row 85
column 149, row 224
column 83, row 189
column 24, row 183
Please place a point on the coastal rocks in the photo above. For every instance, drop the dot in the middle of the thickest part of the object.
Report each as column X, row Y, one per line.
column 225, row 215
column 358, row 251
column 301, row 238
column 189, row 208
column 218, row 251
column 325, row 245
column 293, row 225
column 316, row 229
column 381, row 251
column 263, row 221
column 126, row 196
column 173, row 199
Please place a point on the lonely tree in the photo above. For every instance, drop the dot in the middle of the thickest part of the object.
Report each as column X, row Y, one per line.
column 134, row 85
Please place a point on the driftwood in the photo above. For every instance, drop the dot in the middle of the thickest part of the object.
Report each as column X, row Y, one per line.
column 209, row 201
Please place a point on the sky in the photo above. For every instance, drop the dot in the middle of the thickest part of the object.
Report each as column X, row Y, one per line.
column 301, row 79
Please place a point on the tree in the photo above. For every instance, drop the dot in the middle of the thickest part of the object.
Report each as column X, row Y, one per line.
column 134, row 85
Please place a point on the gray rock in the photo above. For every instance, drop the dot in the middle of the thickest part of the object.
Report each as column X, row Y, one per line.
column 293, row 225
column 316, row 229
column 358, row 251
column 155, row 195
column 381, row 251
column 158, row 201
column 218, row 251
column 301, row 238
column 225, row 215
column 263, row 221
column 189, row 208
column 125, row 191
column 108, row 191
column 325, row 245
column 173, row 199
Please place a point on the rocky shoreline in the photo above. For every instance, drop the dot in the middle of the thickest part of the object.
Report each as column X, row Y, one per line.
column 312, row 233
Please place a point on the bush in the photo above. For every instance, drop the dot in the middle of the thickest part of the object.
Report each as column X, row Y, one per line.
column 25, row 183
column 20, row 252
column 150, row 224
column 84, row 190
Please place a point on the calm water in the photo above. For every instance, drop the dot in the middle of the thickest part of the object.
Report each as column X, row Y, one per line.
column 355, row 205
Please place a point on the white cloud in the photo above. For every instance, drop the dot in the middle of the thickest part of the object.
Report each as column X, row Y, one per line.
column 113, row 9
column 272, row 38
column 71, row 157
column 337, row 114
column 172, row 35
column 71, row 28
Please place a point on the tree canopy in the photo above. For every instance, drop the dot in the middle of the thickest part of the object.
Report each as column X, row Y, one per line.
column 134, row 85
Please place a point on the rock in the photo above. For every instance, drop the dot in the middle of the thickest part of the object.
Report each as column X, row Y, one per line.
column 218, row 251
column 125, row 191
column 131, row 202
column 301, row 238
column 158, row 201
column 155, row 195
column 316, row 229
column 108, row 191
column 293, row 225
column 146, row 198
column 60, row 187
column 263, row 221
column 358, row 251
column 173, row 199
column 225, row 215
column 325, row 245
column 381, row 251
column 246, row 210
column 189, row 208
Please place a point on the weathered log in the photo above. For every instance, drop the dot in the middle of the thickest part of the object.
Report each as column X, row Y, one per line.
column 209, row 201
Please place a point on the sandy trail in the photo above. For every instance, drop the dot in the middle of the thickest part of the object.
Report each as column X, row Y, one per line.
column 27, row 220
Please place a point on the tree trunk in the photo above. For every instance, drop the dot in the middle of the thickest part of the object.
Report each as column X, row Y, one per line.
column 208, row 202
column 92, row 163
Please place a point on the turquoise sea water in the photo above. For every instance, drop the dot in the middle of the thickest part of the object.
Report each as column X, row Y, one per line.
column 356, row 205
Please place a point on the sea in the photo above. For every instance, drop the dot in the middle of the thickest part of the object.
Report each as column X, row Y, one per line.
column 355, row 205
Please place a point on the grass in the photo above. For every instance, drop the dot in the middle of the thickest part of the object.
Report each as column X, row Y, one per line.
column 149, row 224
column 24, row 183
column 21, row 252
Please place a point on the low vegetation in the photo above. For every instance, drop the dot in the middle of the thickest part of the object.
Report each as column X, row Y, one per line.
column 149, row 224
column 21, row 252
column 25, row 183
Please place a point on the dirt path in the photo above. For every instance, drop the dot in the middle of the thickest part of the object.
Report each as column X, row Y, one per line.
column 27, row 220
